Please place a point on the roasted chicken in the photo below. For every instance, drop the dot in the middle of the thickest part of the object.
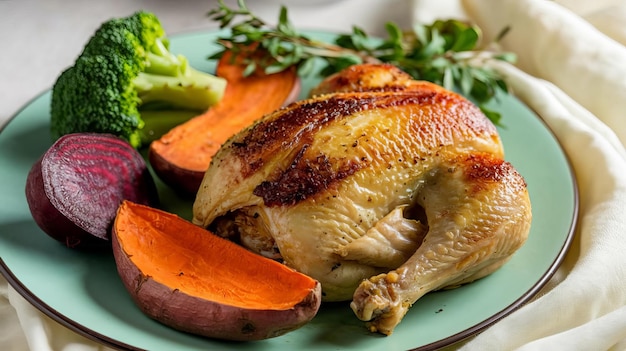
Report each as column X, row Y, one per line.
column 381, row 187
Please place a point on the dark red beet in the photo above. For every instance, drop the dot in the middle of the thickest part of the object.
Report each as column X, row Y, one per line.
column 75, row 188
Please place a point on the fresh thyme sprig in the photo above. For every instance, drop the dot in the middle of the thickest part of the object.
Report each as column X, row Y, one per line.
column 444, row 52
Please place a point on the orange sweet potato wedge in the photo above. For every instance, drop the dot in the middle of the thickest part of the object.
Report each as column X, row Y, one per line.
column 181, row 156
column 194, row 281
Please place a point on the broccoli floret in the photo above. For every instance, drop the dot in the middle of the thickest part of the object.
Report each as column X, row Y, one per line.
column 125, row 74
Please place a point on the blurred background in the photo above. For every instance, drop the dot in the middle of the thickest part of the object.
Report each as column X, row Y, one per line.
column 39, row 38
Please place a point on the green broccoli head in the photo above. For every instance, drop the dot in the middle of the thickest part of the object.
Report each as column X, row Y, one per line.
column 147, row 28
column 97, row 95
column 115, row 38
column 125, row 73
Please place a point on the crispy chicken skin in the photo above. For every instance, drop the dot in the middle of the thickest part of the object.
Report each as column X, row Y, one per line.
column 370, row 78
column 381, row 187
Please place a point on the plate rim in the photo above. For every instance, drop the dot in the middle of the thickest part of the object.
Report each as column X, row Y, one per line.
column 466, row 333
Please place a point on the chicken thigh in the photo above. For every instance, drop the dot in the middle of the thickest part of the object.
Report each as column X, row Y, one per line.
column 381, row 187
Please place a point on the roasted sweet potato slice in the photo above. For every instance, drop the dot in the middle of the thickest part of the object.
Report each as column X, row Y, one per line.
column 195, row 281
column 181, row 156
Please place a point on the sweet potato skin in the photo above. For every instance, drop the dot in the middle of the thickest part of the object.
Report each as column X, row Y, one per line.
column 207, row 318
column 200, row 316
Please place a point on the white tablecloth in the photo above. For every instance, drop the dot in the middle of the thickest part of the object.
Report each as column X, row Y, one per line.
column 570, row 72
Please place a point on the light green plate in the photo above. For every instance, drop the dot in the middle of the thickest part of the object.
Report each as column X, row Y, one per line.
column 83, row 292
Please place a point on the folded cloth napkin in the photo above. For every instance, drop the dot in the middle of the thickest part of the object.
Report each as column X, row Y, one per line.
column 574, row 77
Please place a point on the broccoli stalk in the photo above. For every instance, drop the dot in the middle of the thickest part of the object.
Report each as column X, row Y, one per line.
column 125, row 79
column 185, row 87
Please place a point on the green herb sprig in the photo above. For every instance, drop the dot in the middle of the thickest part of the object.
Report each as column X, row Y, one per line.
column 444, row 52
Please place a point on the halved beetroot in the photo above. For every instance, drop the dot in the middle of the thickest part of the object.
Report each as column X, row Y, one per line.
column 195, row 281
column 74, row 189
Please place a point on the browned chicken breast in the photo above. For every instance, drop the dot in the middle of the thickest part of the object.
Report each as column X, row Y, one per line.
column 381, row 187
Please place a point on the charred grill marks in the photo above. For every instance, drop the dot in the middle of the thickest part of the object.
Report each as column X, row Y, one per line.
column 301, row 121
column 303, row 178
column 295, row 127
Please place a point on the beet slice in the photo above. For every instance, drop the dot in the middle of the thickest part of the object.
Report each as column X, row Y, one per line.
column 75, row 188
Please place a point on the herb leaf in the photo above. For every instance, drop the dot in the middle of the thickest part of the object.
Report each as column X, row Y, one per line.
column 444, row 52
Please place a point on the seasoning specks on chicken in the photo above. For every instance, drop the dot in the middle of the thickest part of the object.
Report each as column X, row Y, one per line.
column 381, row 187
